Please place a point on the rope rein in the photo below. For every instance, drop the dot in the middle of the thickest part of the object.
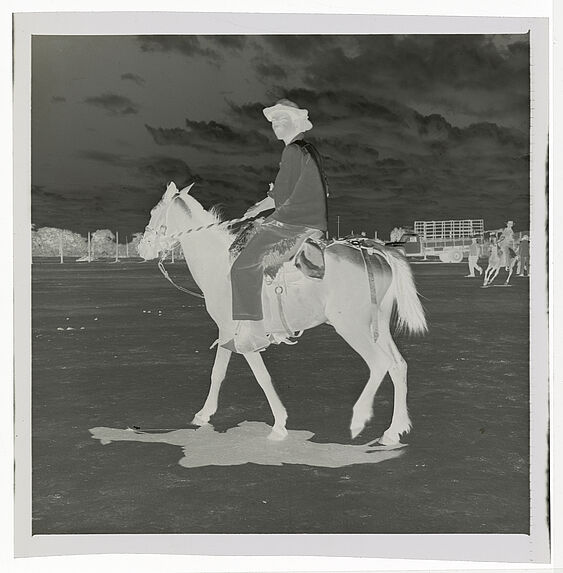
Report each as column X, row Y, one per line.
column 175, row 237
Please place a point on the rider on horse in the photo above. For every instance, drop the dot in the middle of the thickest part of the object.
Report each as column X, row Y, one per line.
column 299, row 198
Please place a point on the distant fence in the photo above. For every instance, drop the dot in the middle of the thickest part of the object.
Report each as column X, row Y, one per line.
column 50, row 242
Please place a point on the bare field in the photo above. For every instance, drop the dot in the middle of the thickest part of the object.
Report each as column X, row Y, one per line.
column 115, row 345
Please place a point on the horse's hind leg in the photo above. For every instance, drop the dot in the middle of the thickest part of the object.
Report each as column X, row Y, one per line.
column 218, row 373
column 400, row 423
column 378, row 360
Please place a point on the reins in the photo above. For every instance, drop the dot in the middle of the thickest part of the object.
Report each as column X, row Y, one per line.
column 176, row 236
column 167, row 277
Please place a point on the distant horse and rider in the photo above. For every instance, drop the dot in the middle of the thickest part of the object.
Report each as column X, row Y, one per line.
column 501, row 256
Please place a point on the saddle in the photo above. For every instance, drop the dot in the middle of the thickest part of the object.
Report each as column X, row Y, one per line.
column 293, row 265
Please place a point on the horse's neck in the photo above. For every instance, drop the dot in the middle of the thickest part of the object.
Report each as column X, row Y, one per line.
column 207, row 256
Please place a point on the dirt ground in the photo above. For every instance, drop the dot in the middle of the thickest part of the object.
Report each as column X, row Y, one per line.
column 100, row 358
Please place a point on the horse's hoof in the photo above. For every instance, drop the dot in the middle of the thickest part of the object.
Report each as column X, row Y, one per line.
column 277, row 435
column 355, row 431
column 199, row 421
column 388, row 441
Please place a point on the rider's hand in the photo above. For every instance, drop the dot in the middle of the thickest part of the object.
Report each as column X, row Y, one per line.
column 264, row 205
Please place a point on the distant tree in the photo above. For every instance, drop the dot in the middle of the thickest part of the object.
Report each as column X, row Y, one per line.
column 134, row 244
column 45, row 242
column 103, row 243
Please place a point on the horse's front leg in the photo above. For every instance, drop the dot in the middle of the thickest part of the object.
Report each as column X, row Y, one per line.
column 265, row 380
column 510, row 271
column 487, row 275
column 218, row 373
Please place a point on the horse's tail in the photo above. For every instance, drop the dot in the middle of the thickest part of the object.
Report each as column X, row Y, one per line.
column 409, row 312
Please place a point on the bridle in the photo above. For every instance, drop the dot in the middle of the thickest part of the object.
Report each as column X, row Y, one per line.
column 160, row 233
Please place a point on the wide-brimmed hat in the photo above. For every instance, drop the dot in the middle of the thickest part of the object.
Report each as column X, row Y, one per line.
column 292, row 109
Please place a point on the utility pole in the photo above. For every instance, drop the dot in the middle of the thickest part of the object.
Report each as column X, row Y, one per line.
column 61, row 246
column 338, row 226
column 117, row 246
column 126, row 247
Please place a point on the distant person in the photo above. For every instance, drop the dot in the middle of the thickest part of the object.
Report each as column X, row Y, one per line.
column 507, row 241
column 524, row 257
column 474, row 252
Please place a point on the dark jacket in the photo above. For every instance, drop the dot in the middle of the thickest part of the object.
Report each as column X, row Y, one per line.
column 299, row 194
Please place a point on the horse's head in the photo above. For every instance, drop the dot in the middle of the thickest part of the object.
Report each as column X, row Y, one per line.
column 164, row 221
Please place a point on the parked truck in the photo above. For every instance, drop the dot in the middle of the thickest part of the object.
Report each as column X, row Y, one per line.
column 447, row 240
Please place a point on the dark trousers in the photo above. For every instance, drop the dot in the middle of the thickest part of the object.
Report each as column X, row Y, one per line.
column 247, row 272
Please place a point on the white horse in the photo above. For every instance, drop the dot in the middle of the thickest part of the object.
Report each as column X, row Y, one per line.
column 497, row 261
column 341, row 298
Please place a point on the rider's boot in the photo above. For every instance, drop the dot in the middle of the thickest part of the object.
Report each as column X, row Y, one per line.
column 250, row 336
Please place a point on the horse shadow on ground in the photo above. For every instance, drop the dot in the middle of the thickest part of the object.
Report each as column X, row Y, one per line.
column 248, row 443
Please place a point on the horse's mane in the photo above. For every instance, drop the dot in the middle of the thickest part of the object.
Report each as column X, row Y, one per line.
column 216, row 217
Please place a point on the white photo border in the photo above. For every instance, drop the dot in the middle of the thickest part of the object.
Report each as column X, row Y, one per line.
column 459, row 547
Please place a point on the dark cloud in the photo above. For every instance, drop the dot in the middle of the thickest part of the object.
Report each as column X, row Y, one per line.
column 154, row 170
column 212, row 136
column 58, row 99
column 190, row 46
column 134, row 78
column 267, row 71
column 230, row 42
column 102, row 157
column 113, row 104
column 299, row 46
column 165, row 169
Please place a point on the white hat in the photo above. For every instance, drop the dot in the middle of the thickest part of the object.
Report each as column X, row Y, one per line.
column 292, row 109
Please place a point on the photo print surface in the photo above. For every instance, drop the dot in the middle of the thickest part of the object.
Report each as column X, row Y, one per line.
column 393, row 392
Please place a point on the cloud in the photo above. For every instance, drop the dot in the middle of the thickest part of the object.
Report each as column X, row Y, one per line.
column 212, row 136
column 230, row 42
column 152, row 170
column 267, row 70
column 114, row 104
column 161, row 169
column 485, row 77
column 102, row 157
column 189, row 46
column 58, row 99
column 134, row 78
column 298, row 46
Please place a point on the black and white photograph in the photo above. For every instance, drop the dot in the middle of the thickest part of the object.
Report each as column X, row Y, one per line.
column 285, row 279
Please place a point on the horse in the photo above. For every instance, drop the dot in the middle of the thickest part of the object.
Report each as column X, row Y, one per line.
column 342, row 298
column 498, row 260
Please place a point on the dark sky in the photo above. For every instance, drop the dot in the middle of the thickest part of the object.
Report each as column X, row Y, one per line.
column 411, row 127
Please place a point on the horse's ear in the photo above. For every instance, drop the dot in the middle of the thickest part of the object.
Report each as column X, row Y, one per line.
column 186, row 190
column 171, row 190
